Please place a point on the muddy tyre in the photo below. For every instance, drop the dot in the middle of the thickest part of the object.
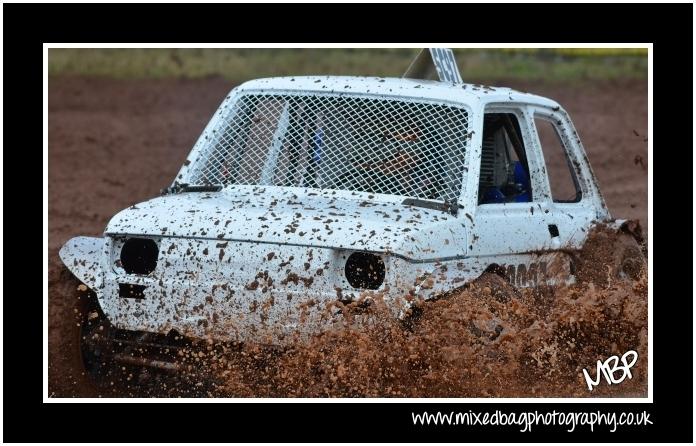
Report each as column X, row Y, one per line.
column 609, row 255
column 88, row 355
column 77, row 300
column 629, row 261
column 95, row 353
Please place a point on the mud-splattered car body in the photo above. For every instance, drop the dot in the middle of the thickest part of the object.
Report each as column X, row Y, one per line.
column 238, row 250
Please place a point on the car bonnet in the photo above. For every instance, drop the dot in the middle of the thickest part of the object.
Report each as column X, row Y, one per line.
column 299, row 217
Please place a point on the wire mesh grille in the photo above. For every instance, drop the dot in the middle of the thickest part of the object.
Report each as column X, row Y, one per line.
column 355, row 143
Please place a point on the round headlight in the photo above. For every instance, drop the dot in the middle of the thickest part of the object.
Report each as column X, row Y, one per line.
column 139, row 255
column 365, row 271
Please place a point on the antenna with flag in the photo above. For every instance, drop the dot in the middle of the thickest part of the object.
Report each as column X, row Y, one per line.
column 438, row 61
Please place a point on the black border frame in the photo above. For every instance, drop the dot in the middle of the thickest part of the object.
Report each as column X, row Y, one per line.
column 27, row 26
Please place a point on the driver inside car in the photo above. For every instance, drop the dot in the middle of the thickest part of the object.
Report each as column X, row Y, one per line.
column 504, row 177
column 412, row 166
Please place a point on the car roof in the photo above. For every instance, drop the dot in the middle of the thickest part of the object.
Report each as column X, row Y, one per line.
column 471, row 94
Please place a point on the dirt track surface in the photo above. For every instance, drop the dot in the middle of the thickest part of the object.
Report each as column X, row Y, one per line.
column 116, row 143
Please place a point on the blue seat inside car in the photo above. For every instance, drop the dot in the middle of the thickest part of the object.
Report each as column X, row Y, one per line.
column 522, row 178
column 493, row 195
column 496, row 195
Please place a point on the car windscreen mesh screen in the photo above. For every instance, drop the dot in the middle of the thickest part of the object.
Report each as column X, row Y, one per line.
column 344, row 142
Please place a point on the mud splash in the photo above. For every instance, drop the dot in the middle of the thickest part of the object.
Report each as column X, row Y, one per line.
column 488, row 339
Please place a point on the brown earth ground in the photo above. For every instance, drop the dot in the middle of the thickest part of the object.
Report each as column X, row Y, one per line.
column 114, row 143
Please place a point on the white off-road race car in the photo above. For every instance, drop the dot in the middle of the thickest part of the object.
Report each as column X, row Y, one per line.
column 304, row 194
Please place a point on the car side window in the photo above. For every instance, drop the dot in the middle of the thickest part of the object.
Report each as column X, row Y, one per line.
column 504, row 174
column 562, row 177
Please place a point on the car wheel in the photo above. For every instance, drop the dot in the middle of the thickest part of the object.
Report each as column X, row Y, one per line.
column 76, row 298
column 629, row 261
column 90, row 334
column 95, row 351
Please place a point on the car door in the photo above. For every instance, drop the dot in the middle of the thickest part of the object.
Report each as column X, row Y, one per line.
column 572, row 198
column 511, row 230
